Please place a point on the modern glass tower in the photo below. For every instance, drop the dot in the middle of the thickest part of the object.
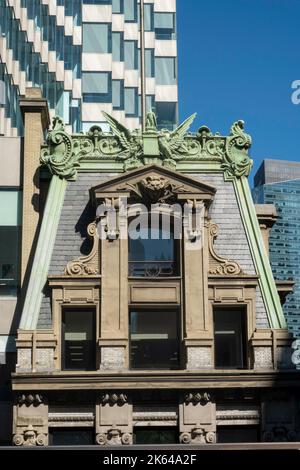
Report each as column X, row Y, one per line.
column 278, row 182
column 85, row 56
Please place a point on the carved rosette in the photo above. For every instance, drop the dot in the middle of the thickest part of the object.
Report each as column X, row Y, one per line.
column 86, row 265
column 217, row 264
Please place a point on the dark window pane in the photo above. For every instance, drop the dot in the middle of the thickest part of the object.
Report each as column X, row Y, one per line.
column 155, row 435
column 229, row 326
column 9, row 259
column 78, row 338
column 153, row 250
column 154, row 338
column 71, row 437
column 237, row 434
column 166, row 115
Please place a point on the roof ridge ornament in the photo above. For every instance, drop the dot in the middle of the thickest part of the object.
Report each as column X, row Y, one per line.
column 236, row 159
column 61, row 155
column 130, row 149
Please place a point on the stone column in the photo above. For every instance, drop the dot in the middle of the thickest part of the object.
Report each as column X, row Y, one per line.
column 197, row 418
column 114, row 419
column 36, row 119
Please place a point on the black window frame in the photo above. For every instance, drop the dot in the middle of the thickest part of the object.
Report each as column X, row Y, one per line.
column 243, row 340
column 177, row 311
column 92, row 363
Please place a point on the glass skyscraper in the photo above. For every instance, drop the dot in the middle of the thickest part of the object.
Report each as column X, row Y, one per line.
column 278, row 182
column 84, row 55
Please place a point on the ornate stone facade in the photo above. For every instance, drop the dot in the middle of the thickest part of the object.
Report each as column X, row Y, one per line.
column 196, row 396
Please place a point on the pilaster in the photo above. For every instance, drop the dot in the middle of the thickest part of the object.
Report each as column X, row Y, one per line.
column 36, row 120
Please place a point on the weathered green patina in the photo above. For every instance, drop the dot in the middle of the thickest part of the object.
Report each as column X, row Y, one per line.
column 124, row 150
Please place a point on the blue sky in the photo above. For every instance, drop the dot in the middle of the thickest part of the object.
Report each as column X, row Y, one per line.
column 237, row 60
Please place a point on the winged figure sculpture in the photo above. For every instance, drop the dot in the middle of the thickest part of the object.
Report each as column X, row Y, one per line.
column 130, row 140
column 171, row 143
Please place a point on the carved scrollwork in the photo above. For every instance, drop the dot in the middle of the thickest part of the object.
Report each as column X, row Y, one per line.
column 86, row 265
column 101, row 439
column 18, row 440
column 185, row 438
column 114, row 399
column 236, row 159
column 198, row 436
column 210, row 437
column 62, row 154
column 217, row 264
column 30, row 437
column 126, row 439
column 41, row 440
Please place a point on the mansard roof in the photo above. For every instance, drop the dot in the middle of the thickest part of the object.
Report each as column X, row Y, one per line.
column 136, row 154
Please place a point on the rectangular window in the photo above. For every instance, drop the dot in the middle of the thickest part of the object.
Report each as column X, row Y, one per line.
column 164, row 24
column 131, row 55
column 148, row 16
column 131, row 101
column 165, row 70
column 231, row 434
column 10, row 220
column 130, row 10
column 96, row 87
column 152, row 435
column 118, row 47
column 149, row 62
column 117, row 6
column 78, row 339
column 96, row 2
column 230, row 337
column 154, row 339
column 96, row 38
column 118, row 94
column 166, row 115
column 71, row 437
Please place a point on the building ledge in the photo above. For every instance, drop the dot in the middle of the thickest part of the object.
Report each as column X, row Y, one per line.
column 159, row 379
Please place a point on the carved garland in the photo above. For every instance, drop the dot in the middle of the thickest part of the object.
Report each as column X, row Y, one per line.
column 86, row 265
column 217, row 264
